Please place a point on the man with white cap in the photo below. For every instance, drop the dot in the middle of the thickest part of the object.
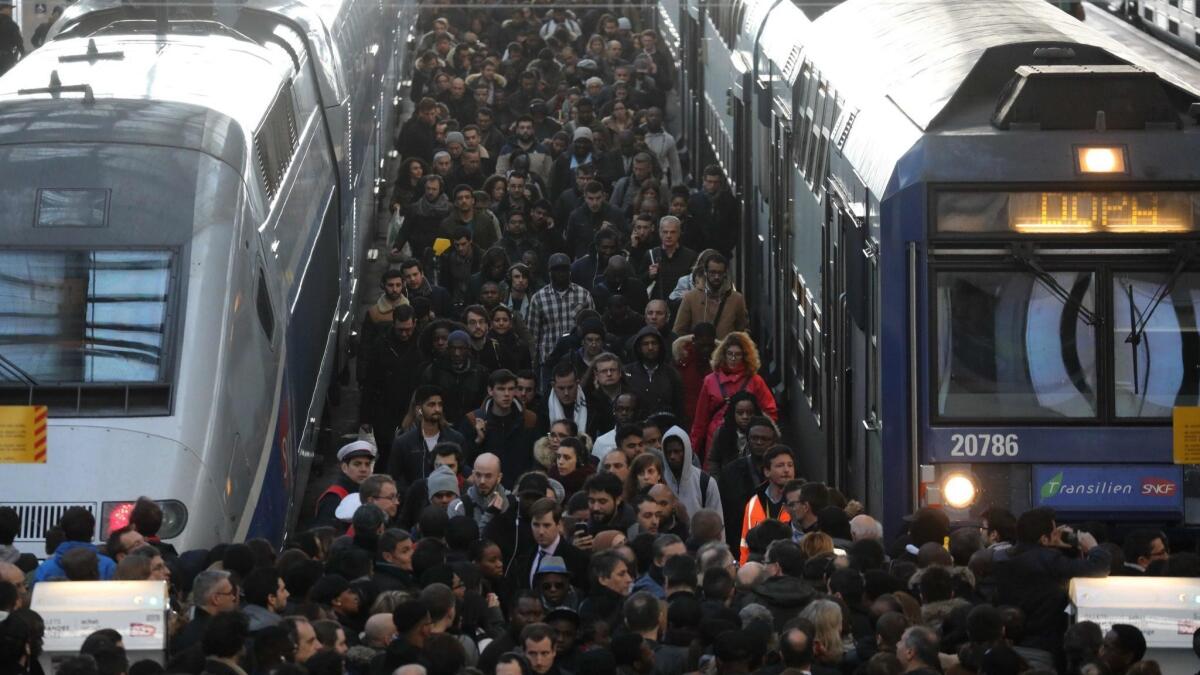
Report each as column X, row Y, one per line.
column 356, row 460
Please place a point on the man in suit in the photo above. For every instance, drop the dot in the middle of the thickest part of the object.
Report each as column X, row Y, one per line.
column 544, row 517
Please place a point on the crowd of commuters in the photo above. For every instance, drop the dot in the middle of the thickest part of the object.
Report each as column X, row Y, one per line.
column 573, row 465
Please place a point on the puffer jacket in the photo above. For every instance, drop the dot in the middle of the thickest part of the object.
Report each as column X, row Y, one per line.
column 718, row 386
column 1035, row 579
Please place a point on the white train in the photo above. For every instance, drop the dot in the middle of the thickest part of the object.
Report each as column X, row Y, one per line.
column 186, row 195
column 1175, row 22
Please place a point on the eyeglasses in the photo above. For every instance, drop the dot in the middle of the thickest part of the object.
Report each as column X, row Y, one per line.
column 389, row 498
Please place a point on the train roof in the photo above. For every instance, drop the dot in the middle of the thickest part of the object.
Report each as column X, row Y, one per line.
column 920, row 54
column 234, row 77
column 905, row 68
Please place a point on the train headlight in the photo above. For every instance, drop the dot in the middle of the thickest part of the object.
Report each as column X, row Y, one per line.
column 115, row 515
column 175, row 517
column 1100, row 160
column 959, row 491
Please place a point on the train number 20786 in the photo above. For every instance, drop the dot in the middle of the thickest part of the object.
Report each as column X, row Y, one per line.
column 985, row 445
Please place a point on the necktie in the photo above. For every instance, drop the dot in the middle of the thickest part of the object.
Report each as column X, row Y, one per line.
column 537, row 560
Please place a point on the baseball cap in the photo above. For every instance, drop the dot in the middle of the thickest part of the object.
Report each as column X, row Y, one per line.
column 356, row 449
column 583, row 132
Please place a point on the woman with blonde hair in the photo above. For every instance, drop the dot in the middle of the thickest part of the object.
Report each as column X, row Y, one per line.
column 735, row 365
column 826, row 616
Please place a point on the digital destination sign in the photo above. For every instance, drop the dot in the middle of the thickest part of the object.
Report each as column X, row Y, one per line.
column 1067, row 212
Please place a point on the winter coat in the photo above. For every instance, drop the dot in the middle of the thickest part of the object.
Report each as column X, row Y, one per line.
column 260, row 617
column 659, row 388
column 52, row 567
column 509, row 437
column 784, row 596
column 464, row 389
column 506, row 351
column 583, row 224
column 698, row 306
column 423, row 224
column 480, row 509
column 410, row 459
column 694, row 488
column 670, row 269
column 387, row 386
column 718, row 386
column 738, row 481
column 693, row 368
column 485, row 232
column 1035, row 579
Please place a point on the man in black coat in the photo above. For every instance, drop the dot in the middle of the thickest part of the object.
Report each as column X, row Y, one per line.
column 587, row 220
column 740, row 478
column 463, row 381
column 1033, row 575
column 411, row 455
column 12, row 46
column 652, row 376
column 387, row 385
column 417, row 135
column 502, row 427
column 545, row 517
column 716, row 211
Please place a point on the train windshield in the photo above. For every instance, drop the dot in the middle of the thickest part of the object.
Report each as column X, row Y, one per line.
column 80, row 316
column 1016, row 345
column 1156, row 346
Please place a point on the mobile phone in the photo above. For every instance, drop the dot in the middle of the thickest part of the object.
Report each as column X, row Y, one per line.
column 580, row 529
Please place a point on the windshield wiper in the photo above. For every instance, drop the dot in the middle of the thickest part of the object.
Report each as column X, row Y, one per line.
column 14, row 371
column 1184, row 253
column 1023, row 253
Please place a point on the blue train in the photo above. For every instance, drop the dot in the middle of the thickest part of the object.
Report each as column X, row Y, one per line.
column 971, row 232
column 186, row 196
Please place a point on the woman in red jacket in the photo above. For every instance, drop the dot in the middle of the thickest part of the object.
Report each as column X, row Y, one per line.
column 735, row 367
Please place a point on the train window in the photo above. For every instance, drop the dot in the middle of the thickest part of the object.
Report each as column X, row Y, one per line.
column 1173, row 26
column 1198, row 38
column 275, row 141
column 1008, row 344
column 1154, row 358
column 1173, row 3
column 72, row 207
column 1148, row 14
column 262, row 302
column 85, row 316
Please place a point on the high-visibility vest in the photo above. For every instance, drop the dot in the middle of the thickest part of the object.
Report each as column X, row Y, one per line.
column 755, row 513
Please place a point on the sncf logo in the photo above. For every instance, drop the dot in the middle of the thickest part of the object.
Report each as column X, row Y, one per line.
column 1158, row 487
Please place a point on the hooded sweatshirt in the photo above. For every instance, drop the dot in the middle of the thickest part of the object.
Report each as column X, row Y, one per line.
column 657, row 385
column 694, row 490
column 52, row 568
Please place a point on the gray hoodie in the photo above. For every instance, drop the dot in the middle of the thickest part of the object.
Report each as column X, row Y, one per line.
column 687, row 487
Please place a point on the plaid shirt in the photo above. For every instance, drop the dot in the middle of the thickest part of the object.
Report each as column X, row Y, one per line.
column 552, row 315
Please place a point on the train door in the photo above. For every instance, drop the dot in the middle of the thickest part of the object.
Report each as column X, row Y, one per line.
column 778, row 246
column 692, row 49
column 848, row 299
column 739, row 180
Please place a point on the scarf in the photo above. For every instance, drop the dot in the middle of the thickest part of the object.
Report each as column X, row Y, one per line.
column 439, row 207
column 385, row 306
column 555, row 408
